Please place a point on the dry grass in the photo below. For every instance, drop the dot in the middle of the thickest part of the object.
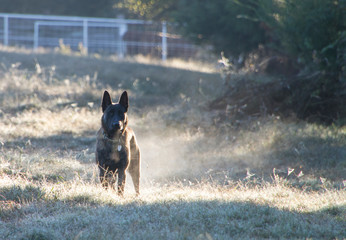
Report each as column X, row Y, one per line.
column 200, row 180
column 82, row 210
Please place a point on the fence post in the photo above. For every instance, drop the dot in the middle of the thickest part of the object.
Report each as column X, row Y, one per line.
column 122, row 31
column 164, row 41
column 85, row 35
column 6, row 30
column 36, row 29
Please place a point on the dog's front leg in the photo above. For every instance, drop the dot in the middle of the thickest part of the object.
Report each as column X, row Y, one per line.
column 103, row 177
column 121, row 181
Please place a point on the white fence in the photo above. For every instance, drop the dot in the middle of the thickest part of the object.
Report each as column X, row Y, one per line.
column 97, row 35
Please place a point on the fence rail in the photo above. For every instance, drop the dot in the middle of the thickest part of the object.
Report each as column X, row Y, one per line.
column 97, row 35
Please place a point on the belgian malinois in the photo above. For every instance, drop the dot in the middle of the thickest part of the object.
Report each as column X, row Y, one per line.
column 116, row 146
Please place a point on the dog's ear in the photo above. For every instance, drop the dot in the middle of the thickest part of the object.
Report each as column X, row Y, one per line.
column 124, row 100
column 106, row 101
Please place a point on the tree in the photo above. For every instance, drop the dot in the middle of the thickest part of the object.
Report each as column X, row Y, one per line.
column 220, row 23
column 149, row 9
column 90, row 8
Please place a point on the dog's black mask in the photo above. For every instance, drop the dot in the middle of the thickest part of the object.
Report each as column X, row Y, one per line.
column 114, row 118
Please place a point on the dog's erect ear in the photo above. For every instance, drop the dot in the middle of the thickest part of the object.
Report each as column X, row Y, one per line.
column 124, row 100
column 106, row 101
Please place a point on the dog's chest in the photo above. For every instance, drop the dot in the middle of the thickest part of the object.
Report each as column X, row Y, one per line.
column 115, row 152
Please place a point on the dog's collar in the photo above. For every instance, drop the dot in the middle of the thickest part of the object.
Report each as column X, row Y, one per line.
column 110, row 139
column 114, row 141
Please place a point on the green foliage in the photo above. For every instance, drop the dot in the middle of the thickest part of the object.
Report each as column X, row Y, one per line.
column 149, row 9
column 311, row 30
column 220, row 23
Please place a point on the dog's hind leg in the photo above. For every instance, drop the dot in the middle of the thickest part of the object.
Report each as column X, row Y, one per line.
column 111, row 179
column 134, row 168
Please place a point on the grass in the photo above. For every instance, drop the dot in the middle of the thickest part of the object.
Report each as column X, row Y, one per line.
column 202, row 178
column 79, row 209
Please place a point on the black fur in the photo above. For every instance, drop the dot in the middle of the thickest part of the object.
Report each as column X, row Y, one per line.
column 116, row 147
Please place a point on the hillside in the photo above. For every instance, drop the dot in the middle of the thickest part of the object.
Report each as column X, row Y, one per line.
column 205, row 175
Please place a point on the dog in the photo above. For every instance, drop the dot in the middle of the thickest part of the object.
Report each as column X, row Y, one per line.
column 116, row 145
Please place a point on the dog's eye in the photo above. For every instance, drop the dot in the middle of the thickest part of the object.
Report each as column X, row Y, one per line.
column 121, row 114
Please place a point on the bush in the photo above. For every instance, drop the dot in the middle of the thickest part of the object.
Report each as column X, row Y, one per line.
column 313, row 31
column 313, row 34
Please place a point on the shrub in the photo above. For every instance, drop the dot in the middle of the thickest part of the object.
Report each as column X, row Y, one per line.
column 313, row 33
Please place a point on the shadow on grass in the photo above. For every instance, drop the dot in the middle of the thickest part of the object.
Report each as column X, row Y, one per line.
column 81, row 218
column 53, row 158
column 19, row 194
column 53, row 143
column 325, row 156
column 147, row 81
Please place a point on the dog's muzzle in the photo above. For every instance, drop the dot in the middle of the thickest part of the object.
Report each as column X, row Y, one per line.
column 117, row 126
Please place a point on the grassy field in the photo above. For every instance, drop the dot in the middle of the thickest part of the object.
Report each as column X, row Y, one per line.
column 202, row 178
